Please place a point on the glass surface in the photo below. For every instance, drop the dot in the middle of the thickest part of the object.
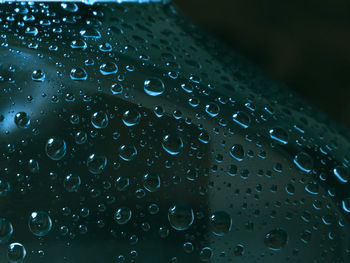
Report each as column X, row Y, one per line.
column 129, row 135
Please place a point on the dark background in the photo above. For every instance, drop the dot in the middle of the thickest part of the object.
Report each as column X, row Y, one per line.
column 305, row 44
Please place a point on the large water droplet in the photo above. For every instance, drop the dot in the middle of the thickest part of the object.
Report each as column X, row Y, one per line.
column 55, row 148
column 276, row 239
column 346, row 204
column 39, row 223
column 90, row 33
column 78, row 44
column 237, row 152
column 131, row 117
column 180, row 216
column 122, row 183
column 38, row 75
column 304, row 162
column 16, row 253
column 99, row 120
column 212, row 109
column 154, row 86
column 220, row 223
column 205, row 254
column 78, row 74
column 22, row 120
column 242, row 119
column 172, row 144
column 108, row 68
column 96, row 163
column 127, row 152
column 72, row 183
column 6, row 230
column 70, row 7
column 123, row 215
column 279, row 135
column 151, row 182
column 341, row 174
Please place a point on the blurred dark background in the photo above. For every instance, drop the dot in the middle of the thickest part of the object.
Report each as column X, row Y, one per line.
column 305, row 44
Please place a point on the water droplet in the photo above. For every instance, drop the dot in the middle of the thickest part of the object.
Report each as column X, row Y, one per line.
column 38, row 75
column 22, row 120
column 131, row 117
column 237, row 152
column 6, row 230
column 188, row 247
column 122, row 183
column 204, row 137
column 151, row 182
column 279, row 135
column 70, row 7
column 123, row 215
column 220, row 223
column 242, row 119
column 154, row 86
column 80, row 137
column 96, row 163
column 39, row 223
column 341, row 174
column 90, row 33
column 72, row 183
column 116, row 89
column 312, row 188
column 345, row 205
column 180, row 216
column 78, row 44
column 127, row 152
column 108, row 68
column 205, row 254
column 172, row 144
column 212, row 109
column 276, row 239
column 78, row 74
column 55, row 148
column 16, row 253
column 239, row 250
column 99, row 120
column 304, row 162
